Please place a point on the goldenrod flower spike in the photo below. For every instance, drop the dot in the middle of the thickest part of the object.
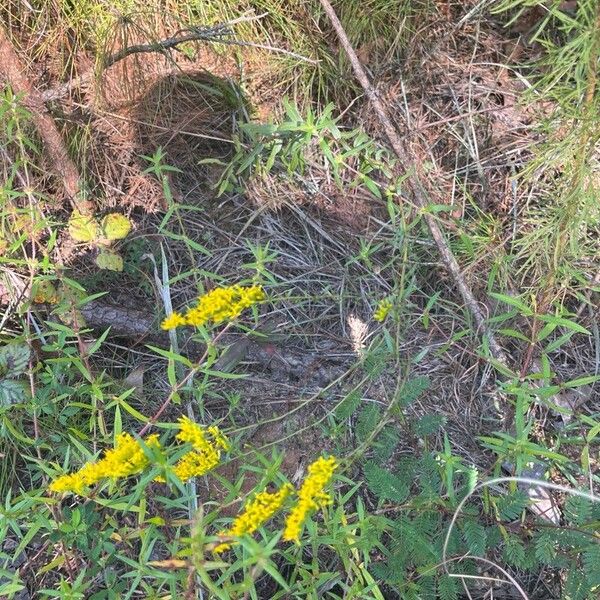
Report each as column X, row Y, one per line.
column 257, row 512
column 173, row 320
column 206, row 453
column 218, row 305
column 127, row 458
column 311, row 496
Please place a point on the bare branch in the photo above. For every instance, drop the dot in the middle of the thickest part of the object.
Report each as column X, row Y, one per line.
column 220, row 34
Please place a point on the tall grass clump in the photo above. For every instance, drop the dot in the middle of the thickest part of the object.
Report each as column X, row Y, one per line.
column 558, row 247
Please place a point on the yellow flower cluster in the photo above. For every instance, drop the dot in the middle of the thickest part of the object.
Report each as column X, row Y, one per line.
column 383, row 309
column 125, row 459
column 206, row 453
column 311, row 496
column 218, row 305
column 265, row 504
column 256, row 512
column 128, row 458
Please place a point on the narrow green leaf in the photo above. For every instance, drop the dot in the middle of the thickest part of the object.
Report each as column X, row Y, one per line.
column 512, row 301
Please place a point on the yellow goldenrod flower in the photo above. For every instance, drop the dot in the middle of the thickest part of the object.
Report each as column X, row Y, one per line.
column 218, row 305
column 195, row 464
column 257, row 512
column 200, row 438
column 311, row 496
column 206, row 453
column 125, row 459
column 173, row 320
column 383, row 309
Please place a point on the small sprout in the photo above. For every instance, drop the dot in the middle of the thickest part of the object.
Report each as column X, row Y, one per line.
column 109, row 261
column 115, row 226
column 82, row 228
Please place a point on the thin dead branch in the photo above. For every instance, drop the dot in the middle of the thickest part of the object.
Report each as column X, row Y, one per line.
column 220, row 34
column 13, row 69
column 415, row 187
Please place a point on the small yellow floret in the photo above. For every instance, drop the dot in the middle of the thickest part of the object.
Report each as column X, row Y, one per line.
column 206, row 453
column 257, row 512
column 195, row 464
column 172, row 321
column 311, row 496
column 383, row 309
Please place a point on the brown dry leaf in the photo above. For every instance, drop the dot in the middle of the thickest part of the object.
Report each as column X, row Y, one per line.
column 44, row 293
column 542, row 504
column 571, row 399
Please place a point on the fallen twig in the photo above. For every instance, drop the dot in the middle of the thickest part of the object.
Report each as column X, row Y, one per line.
column 415, row 187
column 219, row 34
column 15, row 72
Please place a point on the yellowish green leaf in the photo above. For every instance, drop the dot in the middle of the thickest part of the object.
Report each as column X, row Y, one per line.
column 110, row 261
column 83, row 228
column 115, row 226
